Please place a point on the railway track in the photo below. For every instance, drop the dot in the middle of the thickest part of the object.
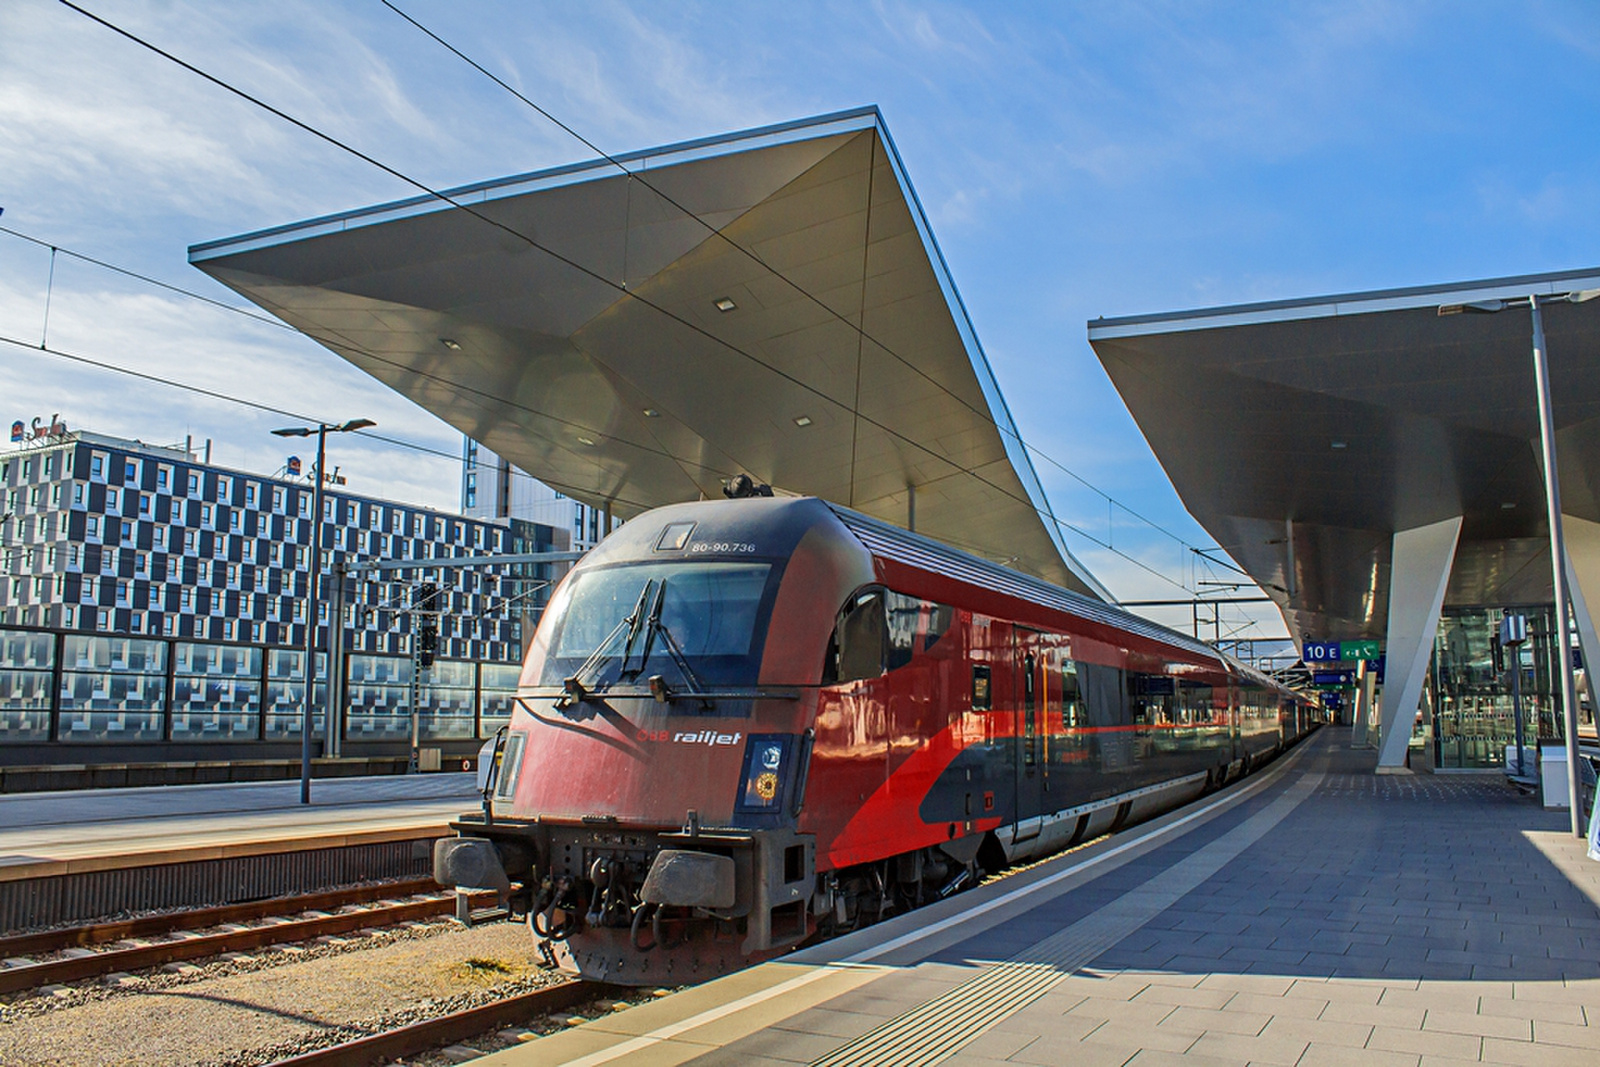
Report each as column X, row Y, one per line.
column 432, row 1034
column 99, row 949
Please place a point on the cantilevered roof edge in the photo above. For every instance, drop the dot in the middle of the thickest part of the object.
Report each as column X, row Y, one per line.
column 1418, row 296
column 636, row 161
column 999, row 411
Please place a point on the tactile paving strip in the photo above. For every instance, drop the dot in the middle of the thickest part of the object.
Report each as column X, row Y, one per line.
column 940, row 1027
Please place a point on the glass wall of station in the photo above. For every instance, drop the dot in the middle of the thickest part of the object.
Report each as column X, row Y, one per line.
column 1471, row 690
column 85, row 688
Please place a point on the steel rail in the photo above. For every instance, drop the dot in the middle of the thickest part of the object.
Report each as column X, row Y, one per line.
column 45, row 941
column 238, row 939
column 431, row 1034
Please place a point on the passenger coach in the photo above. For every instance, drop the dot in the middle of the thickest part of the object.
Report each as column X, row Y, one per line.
column 743, row 723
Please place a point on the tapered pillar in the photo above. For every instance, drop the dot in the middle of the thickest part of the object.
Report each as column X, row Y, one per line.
column 1419, row 571
column 1583, row 586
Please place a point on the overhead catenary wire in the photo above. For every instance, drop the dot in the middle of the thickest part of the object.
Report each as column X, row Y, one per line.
column 594, row 275
column 642, row 178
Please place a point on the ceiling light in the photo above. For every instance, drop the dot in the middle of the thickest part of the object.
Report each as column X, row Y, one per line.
column 724, row 304
column 1508, row 505
column 585, row 440
column 651, row 413
column 451, row 343
column 1338, row 444
column 803, row 421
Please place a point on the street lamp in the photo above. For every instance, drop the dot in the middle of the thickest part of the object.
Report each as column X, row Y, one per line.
column 313, row 594
column 1552, row 499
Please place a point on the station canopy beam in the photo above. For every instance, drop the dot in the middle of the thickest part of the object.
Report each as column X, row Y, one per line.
column 770, row 302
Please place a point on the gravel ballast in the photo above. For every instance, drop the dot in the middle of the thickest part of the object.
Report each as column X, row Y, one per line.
column 265, row 1006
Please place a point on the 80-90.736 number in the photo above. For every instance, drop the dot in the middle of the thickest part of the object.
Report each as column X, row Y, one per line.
column 723, row 546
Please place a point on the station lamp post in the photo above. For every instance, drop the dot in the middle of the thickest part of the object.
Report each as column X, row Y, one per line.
column 1552, row 498
column 313, row 593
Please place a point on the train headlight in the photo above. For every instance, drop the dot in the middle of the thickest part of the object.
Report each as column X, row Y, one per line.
column 765, row 763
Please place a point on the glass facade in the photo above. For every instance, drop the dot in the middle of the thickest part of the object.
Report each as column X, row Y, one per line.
column 1471, row 688
column 116, row 689
column 27, row 679
column 112, row 689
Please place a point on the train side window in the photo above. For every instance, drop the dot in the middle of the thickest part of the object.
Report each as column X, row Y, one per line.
column 857, row 647
column 982, row 698
column 940, row 616
column 1069, row 695
column 1029, row 713
column 902, row 613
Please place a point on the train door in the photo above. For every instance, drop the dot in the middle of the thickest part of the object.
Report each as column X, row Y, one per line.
column 1029, row 662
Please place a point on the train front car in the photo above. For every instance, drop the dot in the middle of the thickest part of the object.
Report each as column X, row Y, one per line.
column 647, row 793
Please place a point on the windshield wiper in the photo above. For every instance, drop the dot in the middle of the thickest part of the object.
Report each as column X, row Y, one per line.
column 577, row 687
column 658, row 685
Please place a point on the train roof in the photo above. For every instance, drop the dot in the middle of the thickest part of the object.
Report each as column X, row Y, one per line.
column 901, row 545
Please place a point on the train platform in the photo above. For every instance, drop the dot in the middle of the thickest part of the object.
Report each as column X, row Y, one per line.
column 1315, row 913
column 75, row 856
column 68, row 832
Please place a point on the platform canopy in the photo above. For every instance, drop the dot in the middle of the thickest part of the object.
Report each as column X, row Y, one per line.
column 1305, row 434
column 769, row 302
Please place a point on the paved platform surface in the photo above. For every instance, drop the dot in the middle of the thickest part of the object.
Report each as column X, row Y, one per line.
column 1314, row 914
column 54, row 833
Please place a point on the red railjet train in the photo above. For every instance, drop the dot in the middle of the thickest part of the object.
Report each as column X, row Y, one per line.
column 745, row 723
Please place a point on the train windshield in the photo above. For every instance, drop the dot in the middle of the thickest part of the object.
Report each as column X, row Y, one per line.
column 629, row 622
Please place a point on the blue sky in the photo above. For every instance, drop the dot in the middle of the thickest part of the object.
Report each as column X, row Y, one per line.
column 1076, row 160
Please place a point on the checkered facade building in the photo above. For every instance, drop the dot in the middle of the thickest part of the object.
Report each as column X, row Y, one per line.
column 107, row 536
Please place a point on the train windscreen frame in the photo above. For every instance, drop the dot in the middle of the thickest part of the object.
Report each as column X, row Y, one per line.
column 715, row 612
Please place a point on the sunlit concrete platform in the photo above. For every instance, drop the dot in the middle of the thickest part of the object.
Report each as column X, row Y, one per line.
column 49, row 834
column 1313, row 914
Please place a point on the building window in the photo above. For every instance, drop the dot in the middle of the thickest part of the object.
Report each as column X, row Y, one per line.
column 50, row 466
column 91, row 528
column 194, row 483
column 69, row 616
column 305, row 505
column 146, row 505
column 224, row 489
column 127, row 531
column 186, row 599
column 231, row 629
column 124, row 593
column 97, row 466
column 251, row 491
column 113, row 501
column 163, row 477
column 202, row 572
column 277, row 500
column 169, row 625
column 103, row 619
column 137, row 622
column 130, row 472
column 141, row 564
column 247, row 550
column 236, row 520
column 207, row 515
column 74, row 555
column 191, row 541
